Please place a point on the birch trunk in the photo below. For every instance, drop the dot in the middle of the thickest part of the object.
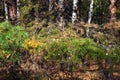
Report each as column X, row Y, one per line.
column 74, row 14
column 90, row 12
column 90, row 16
column 18, row 9
column 6, row 10
column 61, row 9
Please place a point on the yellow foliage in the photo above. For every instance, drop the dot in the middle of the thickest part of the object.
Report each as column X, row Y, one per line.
column 32, row 45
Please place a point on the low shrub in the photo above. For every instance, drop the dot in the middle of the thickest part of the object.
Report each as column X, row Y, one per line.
column 11, row 41
column 74, row 50
column 33, row 45
column 114, row 55
column 57, row 49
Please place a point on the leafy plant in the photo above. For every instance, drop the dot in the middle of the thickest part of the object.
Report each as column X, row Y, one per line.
column 85, row 49
column 114, row 55
column 57, row 50
column 74, row 50
column 32, row 45
column 11, row 41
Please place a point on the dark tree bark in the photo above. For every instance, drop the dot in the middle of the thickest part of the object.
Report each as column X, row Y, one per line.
column 113, row 8
column 12, row 13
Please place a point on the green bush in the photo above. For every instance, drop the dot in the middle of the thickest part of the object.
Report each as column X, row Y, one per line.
column 57, row 49
column 114, row 55
column 74, row 50
column 86, row 49
column 11, row 41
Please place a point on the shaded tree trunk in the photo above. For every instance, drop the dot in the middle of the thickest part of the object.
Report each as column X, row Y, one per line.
column 90, row 16
column 74, row 13
column 12, row 13
column 6, row 10
column 50, row 5
column 60, row 13
column 50, row 9
column 90, row 11
column 18, row 9
column 112, row 9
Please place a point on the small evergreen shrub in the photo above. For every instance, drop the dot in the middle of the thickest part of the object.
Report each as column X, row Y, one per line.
column 74, row 50
column 114, row 55
column 57, row 49
column 11, row 41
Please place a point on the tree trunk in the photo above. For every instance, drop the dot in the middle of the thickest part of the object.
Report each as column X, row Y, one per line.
column 90, row 16
column 74, row 14
column 18, row 9
column 60, row 13
column 113, row 9
column 90, row 12
column 50, row 9
column 6, row 10
column 50, row 5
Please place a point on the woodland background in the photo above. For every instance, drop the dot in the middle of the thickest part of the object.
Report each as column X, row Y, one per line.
column 60, row 39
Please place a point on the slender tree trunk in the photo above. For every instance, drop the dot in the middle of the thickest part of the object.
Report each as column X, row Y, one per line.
column 50, row 5
column 18, row 9
column 6, row 10
column 90, row 12
column 50, row 9
column 90, row 16
column 74, row 14
column 113, row 9
column 60, row 13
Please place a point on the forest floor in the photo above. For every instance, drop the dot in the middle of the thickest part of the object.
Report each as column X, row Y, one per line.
column 36, row 69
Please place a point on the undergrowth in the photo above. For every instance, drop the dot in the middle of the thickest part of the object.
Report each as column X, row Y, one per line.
column 59, row 45
column 11, row 41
